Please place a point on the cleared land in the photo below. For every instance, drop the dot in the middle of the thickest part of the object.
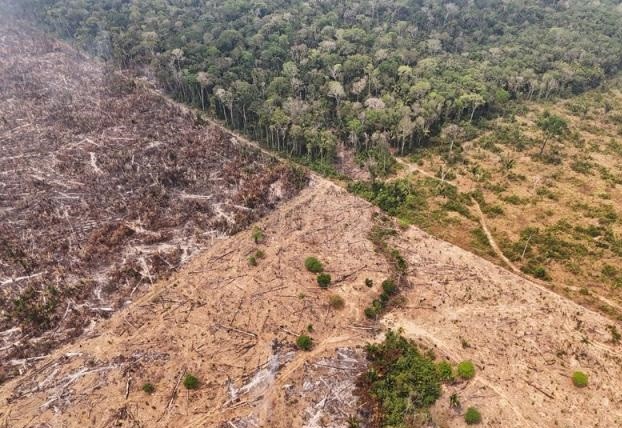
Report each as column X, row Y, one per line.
column 555, row 216
column 104, row 188
column 233, row 325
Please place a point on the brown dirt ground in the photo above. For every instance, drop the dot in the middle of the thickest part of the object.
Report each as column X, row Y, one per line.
column 225, row 321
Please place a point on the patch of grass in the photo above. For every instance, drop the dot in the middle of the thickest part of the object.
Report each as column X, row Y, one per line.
column 579, row 379
column 472, row 416
column 257, row 235
column 314, row 265
column 445, row 371
column 323, row 280
column 336, row 302
column 148, row 388
column 304, row 342
column 465, row 370
column 191, row 382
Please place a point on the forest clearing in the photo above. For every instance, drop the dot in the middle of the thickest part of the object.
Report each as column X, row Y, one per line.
column 402, row 214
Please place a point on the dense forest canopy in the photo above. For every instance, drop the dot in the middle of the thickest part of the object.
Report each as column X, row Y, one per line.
column 306, row 75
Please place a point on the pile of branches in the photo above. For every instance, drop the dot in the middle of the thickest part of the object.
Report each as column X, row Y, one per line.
column 104, row 188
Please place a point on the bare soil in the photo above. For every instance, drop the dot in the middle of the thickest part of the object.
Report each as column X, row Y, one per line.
column 104, row 188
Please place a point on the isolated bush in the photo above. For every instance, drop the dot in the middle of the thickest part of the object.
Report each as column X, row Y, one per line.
column 314, row 265
column 323, row 280
column 579, row 379
column 258, row 235
column 472, row 416
column 191, row 382
column 445, row 372
column 336, row 302
column 466, row 370
column 148, row 388
column 259, row 254
column 401, row 379
column 304, row 342
column 369, row 282
column 252, row 261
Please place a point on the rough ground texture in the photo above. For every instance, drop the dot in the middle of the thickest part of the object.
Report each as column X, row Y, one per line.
column 104, row 187
column 233, row 326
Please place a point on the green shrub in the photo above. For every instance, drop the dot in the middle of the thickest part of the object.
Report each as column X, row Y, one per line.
column 191, row 382
column 472, row 416
column 148, row 388
column 252, row 261
column 389, row 287
column 336, row 302
column 258, row 235
column 304, row 342
column 445, row 372
column 370, row 312
column 401, row 379
column 323, row 280
column 579, row 379
column 260, row 254
column 466, row 370
column 314, row 265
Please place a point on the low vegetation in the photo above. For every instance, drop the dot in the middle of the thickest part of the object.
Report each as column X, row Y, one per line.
column 402, row 382
column 314, row 265
column 323, row 280
column 148, row 388
column 465, row 370
column 579, row 379
column 304, row 342
column 336, row 302
column 191, row 381
column 472, row 416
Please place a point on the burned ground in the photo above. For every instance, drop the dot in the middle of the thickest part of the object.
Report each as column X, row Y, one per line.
column 104, row 188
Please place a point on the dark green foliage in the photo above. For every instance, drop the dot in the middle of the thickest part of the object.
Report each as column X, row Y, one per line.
column 579, row 379
column 389, row 287
column 401, row 379
column 246, row 62
column 191, row 382
column 398, row 261
column 252, row 261
column 323, row 280
column 370, row 312
column 465, row 370
column 472, row 416
column 398, row 198
column 148, row 388
column 304, row 342
column 314, row 265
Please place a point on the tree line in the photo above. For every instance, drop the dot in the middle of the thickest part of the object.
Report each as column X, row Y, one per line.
column 305, row 76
